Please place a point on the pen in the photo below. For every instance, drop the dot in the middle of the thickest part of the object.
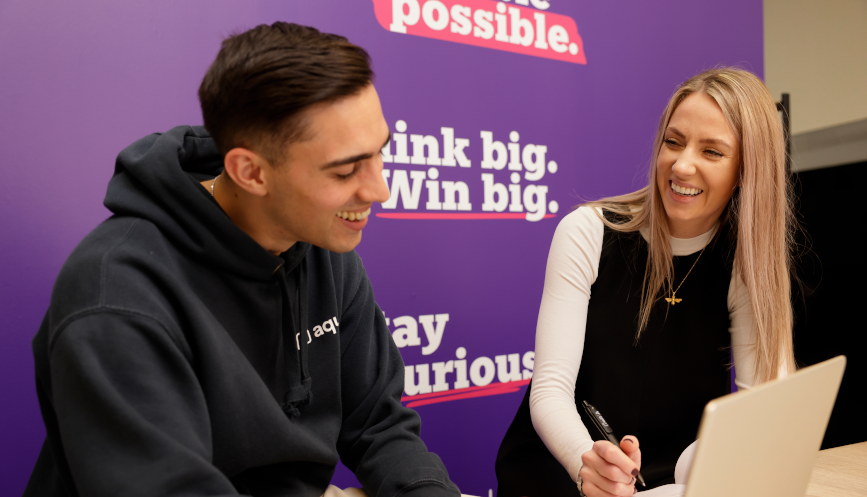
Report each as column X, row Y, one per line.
column 606, row 431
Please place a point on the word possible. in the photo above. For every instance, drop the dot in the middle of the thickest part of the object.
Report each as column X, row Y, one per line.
column 487, row 24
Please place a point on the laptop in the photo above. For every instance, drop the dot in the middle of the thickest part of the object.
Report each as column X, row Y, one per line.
column 765, row 440
column 759, row 442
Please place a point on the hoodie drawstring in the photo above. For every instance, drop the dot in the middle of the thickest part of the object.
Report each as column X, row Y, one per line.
column 298, row 394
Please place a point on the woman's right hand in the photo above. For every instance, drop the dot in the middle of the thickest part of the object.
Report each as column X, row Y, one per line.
column 608, row 471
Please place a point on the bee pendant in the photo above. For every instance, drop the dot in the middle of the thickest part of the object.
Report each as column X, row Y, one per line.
column 673, row 299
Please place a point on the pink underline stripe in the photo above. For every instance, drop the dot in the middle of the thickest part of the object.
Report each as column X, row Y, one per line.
column 468, row 395
column 463, row 393
column 455, row 215
column 461, row 390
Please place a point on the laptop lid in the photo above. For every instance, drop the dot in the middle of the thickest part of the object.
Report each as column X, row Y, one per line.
column 764, row 441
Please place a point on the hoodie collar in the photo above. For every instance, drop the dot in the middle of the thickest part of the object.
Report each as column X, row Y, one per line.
column 156, row 178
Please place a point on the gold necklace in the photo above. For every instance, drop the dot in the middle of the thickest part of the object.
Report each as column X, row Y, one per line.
column 673, row 299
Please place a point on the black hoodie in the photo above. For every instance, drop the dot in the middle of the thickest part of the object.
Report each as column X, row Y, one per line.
column 179, row 357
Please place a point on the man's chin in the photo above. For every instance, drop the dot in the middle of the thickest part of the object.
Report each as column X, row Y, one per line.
column 345, row 244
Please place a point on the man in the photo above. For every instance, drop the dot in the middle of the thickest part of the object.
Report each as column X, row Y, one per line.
column 218, row 335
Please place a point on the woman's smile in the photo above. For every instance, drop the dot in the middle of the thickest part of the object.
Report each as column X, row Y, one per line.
column 683, row 190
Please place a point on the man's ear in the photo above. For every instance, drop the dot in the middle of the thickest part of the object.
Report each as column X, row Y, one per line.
column 245, row 168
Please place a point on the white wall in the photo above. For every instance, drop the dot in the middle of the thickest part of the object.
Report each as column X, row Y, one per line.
column 817, row 52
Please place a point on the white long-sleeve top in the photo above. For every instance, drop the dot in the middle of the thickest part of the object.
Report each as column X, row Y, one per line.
column 573, row 264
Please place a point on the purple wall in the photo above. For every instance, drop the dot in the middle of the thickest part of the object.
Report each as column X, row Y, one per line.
column 81, row 80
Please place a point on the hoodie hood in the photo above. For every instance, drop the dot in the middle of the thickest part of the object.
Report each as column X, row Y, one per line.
column 157, row 179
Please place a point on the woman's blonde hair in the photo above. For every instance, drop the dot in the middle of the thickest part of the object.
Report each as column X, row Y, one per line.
column 759, row 212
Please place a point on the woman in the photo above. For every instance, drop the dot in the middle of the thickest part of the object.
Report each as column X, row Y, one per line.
column 681, row 272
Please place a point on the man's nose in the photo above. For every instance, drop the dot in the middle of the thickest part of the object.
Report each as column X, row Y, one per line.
column 374, row 188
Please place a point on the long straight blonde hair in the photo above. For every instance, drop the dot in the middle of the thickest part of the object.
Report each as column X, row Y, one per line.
column 760, row 213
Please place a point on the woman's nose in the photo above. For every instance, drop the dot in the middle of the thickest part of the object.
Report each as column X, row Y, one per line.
column 684, row 165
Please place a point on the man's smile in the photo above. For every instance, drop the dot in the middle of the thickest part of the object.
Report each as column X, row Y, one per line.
column 354, row 216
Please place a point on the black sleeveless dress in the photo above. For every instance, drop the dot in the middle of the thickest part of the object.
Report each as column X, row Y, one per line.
column 655, row 389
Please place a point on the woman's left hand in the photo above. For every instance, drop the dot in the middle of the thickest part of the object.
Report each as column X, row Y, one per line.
column 609, row 471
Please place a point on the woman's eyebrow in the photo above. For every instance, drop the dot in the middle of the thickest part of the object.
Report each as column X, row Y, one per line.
column 712, row 141
column 675, row 131
column 715, row 141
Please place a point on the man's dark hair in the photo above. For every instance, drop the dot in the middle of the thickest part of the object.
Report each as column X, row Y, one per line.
column 262, row 79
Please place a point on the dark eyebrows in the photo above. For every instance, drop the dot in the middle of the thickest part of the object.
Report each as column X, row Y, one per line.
column 711, row 141
column 354, row 158
column 716, row 141
column 675, row 131
column 347, row 160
